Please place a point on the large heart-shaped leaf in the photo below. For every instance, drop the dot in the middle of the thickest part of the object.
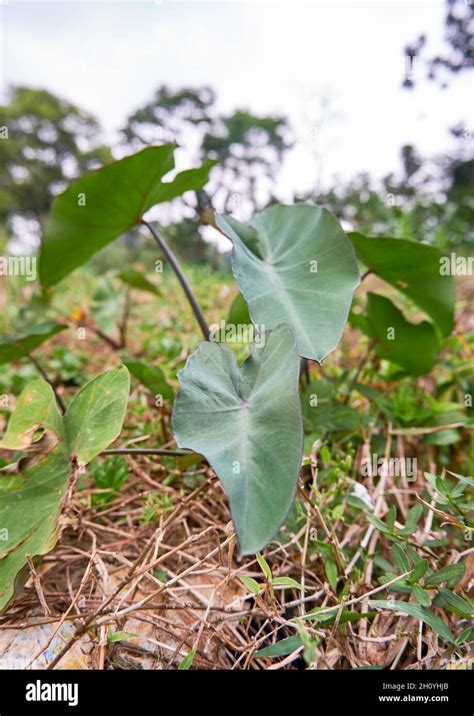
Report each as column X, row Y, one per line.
column 414, row 269
column 413, row 346
column 247, row 422
column 32, row 500
column 294, row 264
column 18, row 345
column 102, row 205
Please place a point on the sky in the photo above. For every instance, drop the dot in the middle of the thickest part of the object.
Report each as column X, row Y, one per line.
column 285, row 57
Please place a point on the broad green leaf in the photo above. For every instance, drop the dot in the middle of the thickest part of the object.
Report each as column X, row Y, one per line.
column 414, row 269
column 151, row 376
column 138, row 280
column 247, row 422
column 281, row 648
column 417, row 611
column 16, row 346
column 95, row 416
column 36, row 409
column 32, row 501
column 104, row 204
column 294, row 264
column 412, row 346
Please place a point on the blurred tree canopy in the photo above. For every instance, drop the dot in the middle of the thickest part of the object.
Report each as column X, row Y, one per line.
column 49, row 142
column 248, row 147
column 459, row 37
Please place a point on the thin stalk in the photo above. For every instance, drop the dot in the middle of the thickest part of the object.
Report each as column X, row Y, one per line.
column 125, row 316
column 146, row 451
column 43, row 373
column 181, row 277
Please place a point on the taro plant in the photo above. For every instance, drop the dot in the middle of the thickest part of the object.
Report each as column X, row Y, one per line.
column 297, row 272
column 50, row 450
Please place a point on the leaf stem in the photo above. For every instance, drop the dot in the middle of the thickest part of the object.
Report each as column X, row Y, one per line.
column 43, row 373
column 181, row 277
column 146, row 451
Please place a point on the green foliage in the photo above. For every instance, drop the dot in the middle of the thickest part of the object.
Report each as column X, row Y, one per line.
column 33, row 498
column 413, row 269
column 109, row 475
column 136, row 279
column 14, row 347
column 49, row 142
column 152, row 377
column 412, row 346
column 103, row 205
column 247, row 422
column 295, row 264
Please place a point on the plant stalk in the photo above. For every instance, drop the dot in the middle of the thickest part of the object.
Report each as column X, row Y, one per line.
column 44, row 375
column 182, row 279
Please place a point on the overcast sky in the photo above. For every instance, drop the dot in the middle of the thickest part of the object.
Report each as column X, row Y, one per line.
column 268, row 57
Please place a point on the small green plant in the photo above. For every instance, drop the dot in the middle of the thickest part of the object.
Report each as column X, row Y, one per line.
column 297, row 272
column 109, row 475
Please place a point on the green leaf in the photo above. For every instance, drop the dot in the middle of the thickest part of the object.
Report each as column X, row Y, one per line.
column 413, row 517
column 138, row 280
column 295, row 264
column 421, row 595
column 104, row 204
column 331, row 573
column 455, row 603
column 419, row 571
column 108, row 306
column 286, row 582
column 251, row 584
column 247, row 422
column 400, row 558
column 414, row 269
column 281, row 648
column 120, row 636
column 264, row 566
column 187, row 661
column 239, row 312
column 16, row 346
column 417, row 611
column 95, row 416
column 151, row 376
column 32, row 501
column 452, row 573
column 412, row 346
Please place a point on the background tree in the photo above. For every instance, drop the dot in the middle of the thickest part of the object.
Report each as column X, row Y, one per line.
column 459, row 37
column 249, row 148
column 46, row 142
